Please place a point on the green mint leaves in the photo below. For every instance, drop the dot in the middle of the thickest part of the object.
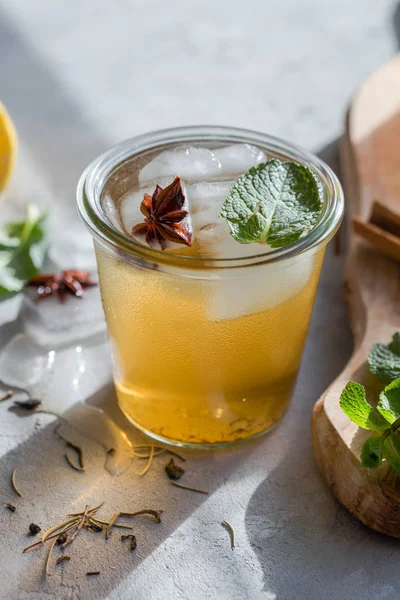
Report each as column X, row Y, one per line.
column 22, row 250
column 384, row 420
column 384, row 361
column 354, row 403
column 275, row 203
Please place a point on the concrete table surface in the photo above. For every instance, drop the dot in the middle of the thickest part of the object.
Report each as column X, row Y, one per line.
column 78, row 77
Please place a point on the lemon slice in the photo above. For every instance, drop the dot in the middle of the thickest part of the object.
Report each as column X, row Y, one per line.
column 8, row 146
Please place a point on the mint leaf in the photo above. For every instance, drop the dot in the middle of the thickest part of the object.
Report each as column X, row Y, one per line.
column 275, row 203
column 356, row 407
column 391, row 451
column 389, row 401
column 22, row 250
column 372, row 452
column 384, row 360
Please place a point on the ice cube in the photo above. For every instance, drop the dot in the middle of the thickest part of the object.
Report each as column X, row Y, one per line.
column 206, row 199
column 53, row 324
column 238, row 158
column 197, row 164
column 210, row 231
column 235, row 295
column 191, row 164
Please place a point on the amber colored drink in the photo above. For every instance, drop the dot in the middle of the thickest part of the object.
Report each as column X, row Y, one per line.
column 182, row 376
column 206, row 341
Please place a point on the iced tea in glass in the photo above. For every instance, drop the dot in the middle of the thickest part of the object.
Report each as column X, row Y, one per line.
column 206, row 340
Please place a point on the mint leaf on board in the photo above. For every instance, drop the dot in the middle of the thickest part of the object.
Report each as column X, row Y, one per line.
column 389, row 402
column 22, row 250
column 391, row 451
column 275, row 203
column 384, row 360
column 372, row 452
column 354, row 404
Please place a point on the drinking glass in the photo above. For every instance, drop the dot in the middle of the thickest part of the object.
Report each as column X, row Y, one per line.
column 205, row 351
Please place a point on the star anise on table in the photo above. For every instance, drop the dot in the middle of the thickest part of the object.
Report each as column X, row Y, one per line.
column 165, row 218
column 71, row 280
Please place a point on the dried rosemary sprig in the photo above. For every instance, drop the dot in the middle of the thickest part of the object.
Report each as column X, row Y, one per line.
column 231, row 532
column 188, row 487
column 85, row 520
column 71, row 463
column 73, row 446
column 30, row 404
column 47, row 564
column 140, row 513
column 148, row 464
column 157, row 451
column 14, row 485
column 8, row 394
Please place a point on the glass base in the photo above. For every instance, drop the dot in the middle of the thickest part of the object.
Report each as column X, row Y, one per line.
column 201, row 446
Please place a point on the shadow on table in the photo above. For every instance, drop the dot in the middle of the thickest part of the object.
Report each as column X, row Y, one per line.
column 308, row 545
column 48, row 482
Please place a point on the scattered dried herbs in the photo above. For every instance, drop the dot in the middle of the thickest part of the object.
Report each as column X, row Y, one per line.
column 6, row 396
column 14, row 485
column 75, row 447
column 62, row 558
column 140, row 513
column 188, row 487
column 173, row 470
column 86, row 520
column 34, row 529
column 132, row 538
column 148, row 464
column 30, row 404
column 72, row 464
column 90, row 573
column 62, row 538
column 47, row 564
column 11, row 507
column 231, row 532
column 182, row 458
column 94, row 528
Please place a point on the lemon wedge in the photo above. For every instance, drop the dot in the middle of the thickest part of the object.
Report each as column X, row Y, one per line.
column 8, row 146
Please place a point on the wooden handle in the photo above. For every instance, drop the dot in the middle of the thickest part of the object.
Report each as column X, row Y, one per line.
column 371, row 166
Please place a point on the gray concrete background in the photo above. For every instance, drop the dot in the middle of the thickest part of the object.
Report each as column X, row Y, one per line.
column 78, row 77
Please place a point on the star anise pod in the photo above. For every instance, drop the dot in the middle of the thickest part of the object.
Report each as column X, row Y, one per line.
column 164, row 216
column 71, row 281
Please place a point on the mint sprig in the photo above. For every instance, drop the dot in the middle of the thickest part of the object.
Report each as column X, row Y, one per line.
column 22, row 250
column 384, row 360
column 385, row 421
column 353, row 402
column 275, row 203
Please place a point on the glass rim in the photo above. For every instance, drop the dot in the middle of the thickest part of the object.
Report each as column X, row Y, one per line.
column 95, row 176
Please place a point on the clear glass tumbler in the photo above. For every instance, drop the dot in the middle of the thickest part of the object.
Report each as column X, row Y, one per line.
column 206, row 351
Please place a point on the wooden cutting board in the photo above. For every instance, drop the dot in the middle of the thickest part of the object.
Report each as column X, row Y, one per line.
column 370, row 159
